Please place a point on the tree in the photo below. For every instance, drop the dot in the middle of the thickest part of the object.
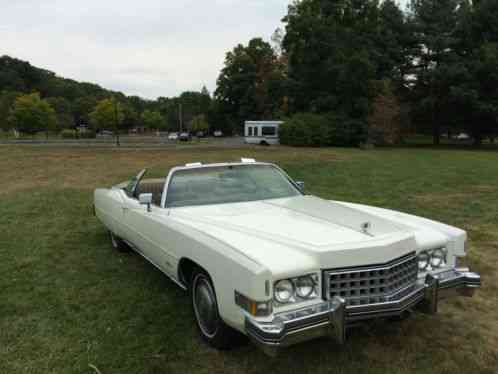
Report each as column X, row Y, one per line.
column 457, row 67
column 384, row 120
column 251, row 84
column 108, row 113
column 481, row 51
column 131, row 118
column 193, row 104
column 31, row 114
column 395, row 44
column 336, row 49
column 483, row 101
column 199, row 123
column 63, row 112
column 7, row 99
column 82, row 107
column 435, row 23
column 152, row 119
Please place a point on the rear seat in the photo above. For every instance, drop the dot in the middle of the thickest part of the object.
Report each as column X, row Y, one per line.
column 153, row 187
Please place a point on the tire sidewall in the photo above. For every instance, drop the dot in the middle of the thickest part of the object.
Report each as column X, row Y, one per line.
column 197, row 277
column 118, row 243
column 114, row 240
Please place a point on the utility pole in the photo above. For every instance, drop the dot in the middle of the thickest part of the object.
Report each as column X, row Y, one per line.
column 180, row 116
column 116, row 121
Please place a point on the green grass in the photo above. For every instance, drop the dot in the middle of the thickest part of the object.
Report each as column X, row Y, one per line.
column 68, row 301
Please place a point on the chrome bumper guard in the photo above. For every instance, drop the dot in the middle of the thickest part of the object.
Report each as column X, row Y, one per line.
column 332, row 318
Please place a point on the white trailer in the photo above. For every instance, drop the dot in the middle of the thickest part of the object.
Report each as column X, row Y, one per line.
column 261, row 132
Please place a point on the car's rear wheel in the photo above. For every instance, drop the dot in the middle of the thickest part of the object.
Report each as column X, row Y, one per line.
column 212, row 328
column 118, row 243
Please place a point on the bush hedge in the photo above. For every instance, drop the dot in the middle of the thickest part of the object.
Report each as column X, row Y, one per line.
column 68, row 134
column 317, row 130
column 73, row 134
column 89, row 134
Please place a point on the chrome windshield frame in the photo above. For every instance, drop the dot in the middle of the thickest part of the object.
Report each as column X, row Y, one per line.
column 224, row 164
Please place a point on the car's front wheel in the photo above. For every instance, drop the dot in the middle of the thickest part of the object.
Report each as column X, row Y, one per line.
column 118, row 243
column 212, row 328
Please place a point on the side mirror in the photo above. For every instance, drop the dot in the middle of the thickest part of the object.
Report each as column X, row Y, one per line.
column 145, row 199
column 300, row 185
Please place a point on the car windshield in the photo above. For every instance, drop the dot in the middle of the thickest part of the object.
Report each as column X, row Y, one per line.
column 227, row 184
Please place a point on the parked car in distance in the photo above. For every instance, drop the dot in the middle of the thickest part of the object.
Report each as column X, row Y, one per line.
column 218, row 134
column 200, row 134
column 105, row 132
column 263, row 259
column 184, row 136
column 173, row 136
column 462, row 136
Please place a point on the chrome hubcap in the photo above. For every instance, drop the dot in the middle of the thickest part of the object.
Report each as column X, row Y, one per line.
column 205, row 306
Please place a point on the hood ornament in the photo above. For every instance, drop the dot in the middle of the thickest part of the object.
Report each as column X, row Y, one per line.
column 365, row 227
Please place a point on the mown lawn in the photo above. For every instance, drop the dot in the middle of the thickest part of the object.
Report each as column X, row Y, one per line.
column 70, row 304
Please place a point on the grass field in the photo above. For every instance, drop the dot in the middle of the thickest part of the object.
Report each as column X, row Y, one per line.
column 70, row 304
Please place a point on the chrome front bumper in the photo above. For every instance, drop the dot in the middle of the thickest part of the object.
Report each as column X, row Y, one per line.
column 332, row 318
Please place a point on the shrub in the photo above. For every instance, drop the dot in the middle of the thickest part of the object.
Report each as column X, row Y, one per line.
column 89, row 134
column 344, row 131
column 315, row 130
column 304, row 129
column 68, row 134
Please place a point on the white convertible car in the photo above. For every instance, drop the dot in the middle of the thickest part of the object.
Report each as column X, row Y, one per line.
column 263, row 259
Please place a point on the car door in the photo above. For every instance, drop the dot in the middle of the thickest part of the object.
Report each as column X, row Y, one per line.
column 147, row 231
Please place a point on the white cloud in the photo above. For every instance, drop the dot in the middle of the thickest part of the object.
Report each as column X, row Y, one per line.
column 149, row 47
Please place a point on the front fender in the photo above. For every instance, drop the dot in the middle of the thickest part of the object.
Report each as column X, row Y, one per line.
column 228, row 268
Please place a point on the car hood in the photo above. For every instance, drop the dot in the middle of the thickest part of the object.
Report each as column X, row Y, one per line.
column 310, row 231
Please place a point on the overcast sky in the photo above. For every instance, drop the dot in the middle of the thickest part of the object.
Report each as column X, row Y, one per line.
column 148, row 48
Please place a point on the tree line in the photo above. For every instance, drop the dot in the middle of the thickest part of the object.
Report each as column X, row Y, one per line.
column 341, row 72
column 350, row 71
column 34, row 99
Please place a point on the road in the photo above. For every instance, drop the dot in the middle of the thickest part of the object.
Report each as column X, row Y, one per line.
column 128, row 141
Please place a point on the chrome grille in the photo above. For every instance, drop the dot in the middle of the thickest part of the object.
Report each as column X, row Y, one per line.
column 372, row 284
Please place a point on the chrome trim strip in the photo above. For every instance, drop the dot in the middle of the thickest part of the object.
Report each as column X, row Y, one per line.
column 137, row 250
column 222, row 164
column 383, row 266
column 431, row 294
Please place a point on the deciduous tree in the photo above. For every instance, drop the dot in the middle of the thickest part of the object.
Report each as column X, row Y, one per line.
column 251, row 84
column 199, row 123
column 63, row 112
column 152, row 120
column 108, row 113
column 31, row 114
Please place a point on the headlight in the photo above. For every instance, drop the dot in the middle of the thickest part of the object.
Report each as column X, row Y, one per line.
column 296, row 289
column 284, row 291
column 438, row 258
column 432, row 259
column 305, row 286
column 423, row 260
